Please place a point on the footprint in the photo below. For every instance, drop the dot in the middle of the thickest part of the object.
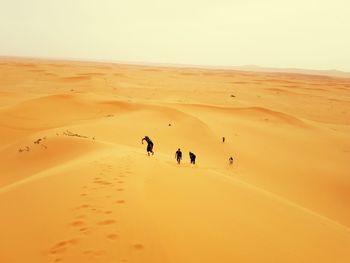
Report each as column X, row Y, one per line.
column 102, row 182
column 83, row 206
column 77, row 223
column 120, row 182
column 94, row 253
column 99, row 253
column 112, row 236
column 85, row 231
column 108, row 212
column 96, row 210
column 120, row 201
column 120, row 189
column 138, row 246
column 62, row 246
column 58, row 250
column 107, row 222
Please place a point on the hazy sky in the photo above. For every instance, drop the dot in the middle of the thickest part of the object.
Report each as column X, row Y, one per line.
column 278, row 33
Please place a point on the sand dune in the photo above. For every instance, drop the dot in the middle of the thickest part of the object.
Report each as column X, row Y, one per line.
column 42, row 112
column 76, row 184
column 40, row 154
column 253, row 113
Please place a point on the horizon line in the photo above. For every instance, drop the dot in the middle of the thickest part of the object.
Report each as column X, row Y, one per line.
column 246, row 67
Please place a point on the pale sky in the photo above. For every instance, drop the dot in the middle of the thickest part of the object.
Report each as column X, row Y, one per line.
column 312, row 34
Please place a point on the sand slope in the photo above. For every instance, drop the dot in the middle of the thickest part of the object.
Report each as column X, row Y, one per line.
column 77, row 186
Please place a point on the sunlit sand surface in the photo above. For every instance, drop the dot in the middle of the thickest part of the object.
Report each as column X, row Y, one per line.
column 76, row 184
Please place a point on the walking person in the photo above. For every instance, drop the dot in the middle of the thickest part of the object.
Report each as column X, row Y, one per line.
column 230, row 160
column 178, row 156
column 149, row 145
column 192, row 158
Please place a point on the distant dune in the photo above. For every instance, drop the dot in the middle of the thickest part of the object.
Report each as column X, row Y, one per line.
column 76, row 184
column 330, row 73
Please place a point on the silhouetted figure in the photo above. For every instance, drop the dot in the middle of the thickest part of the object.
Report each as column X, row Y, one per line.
column 230, row 160
column 149, row 145
column 193, row 158
column 178, row 156
column 223, row 139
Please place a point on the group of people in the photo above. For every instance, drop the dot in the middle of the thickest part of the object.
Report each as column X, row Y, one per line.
column 178, row 153
column 178, row 156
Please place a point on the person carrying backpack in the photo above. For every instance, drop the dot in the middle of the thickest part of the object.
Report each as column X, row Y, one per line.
column 178, row 156
column 192, row 158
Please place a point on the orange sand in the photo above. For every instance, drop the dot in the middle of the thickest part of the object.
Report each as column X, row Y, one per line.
column 76, row 184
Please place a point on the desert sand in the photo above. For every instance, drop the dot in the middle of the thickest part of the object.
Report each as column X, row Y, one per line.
column 76, row 184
